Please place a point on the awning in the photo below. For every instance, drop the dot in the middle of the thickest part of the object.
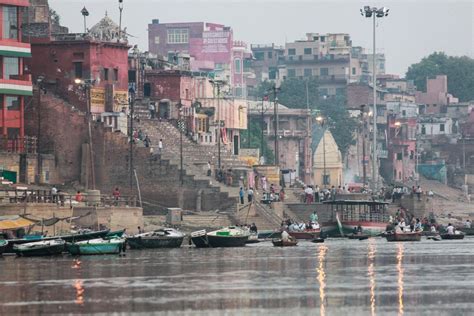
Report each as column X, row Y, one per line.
column 14, row 222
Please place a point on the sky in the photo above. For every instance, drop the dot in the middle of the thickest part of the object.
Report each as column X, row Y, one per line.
column 413, row 29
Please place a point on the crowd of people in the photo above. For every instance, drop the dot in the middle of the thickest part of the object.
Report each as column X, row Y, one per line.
column 294, row 226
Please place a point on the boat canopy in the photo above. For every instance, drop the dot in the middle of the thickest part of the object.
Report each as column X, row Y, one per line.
column 14, row 222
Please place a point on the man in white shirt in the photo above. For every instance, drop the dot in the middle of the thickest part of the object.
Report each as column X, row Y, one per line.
column 450, row 229
column 160, row 146
column 467, row 224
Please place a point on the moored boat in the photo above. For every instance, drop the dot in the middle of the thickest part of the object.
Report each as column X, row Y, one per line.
column 467, row 231
column 97, row 246
column 305, row 234
column 3, row 245
column 284, row 243
column 408, row 236
column 253, row 239
column 226, row 237
column 358, row 236
column 40, row 248
column 452, row 236
column 115, row 233
column 160, row 238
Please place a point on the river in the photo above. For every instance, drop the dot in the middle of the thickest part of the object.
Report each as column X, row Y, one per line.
column 339, row 277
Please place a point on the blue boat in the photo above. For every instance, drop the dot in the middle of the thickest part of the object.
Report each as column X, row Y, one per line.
column 97, row 246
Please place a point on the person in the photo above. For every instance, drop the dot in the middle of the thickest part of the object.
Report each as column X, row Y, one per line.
column 116, row 194
column 333, row 193
column 272, row 188
column 282, row 195
column 309, row 195
column 430, row 193
column 160, row 146
column 54, row 194
column 450, row 229
column 316, row 194
column 398, row 228
column 359, row 229
column 140, row 230
column 250, row 195
column 253, row 228
column 354, row 231
column 313, row 217
column 285, row 236
column 151, row 108
column 433, row 229
column 241, row 195
column 78, row 196
column 402, row 225
column 147, row 141
column 418, row 227
column 209, row 169
column 467, row 224
column 418, row 193
column 264, row 183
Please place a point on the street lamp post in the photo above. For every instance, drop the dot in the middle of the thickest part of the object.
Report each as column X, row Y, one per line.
column 87, row 85
column 275, row 123
column 131, row 102
column 320, row 120
column 39, row 167
column 120, row 20
column 218, row 84
column 85, row 14
column 373, row 12
column 181, row 130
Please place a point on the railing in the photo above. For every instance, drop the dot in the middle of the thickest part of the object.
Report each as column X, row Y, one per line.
column 286, row 133
column 24, row 77
column 71, row 37
column 18, row 145
column 63, row 199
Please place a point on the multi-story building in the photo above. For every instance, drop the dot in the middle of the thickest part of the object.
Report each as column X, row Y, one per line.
column 366, row 63
column 326, row 57
column 14, row 83
column 98, row 58
column 267, row 60
column 436, row 98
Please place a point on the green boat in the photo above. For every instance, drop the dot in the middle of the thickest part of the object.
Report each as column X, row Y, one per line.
column 115, row 234
column 97, row 246
column 3, row 245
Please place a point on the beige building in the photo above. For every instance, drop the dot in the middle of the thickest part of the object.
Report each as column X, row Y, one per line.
column 327, row 159
column 326, row 57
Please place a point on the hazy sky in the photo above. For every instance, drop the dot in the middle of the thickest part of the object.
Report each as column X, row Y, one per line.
column 412, row 30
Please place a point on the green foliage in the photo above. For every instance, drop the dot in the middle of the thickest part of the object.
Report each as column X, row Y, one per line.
column 293, row 94
column 460, row 72
column 255, row 129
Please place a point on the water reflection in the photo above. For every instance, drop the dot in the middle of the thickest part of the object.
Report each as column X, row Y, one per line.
column 79, row 286
column 400, row 278
column 371, row 273
column 322, row 277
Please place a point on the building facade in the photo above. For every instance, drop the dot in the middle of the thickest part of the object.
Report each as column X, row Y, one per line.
column 15, row 84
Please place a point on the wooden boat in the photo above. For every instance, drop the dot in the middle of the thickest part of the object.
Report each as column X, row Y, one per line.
column 344, row 215
column 358, row 236
column 317, row 240
column 3, row 245
column 467, row 231
column 115, row 233
column 284, row 243
column 80, row 236
column 226, row 237
column 305, row 234
column 40, row 248
column 160, row 238
column 97, row 246
column 409, row 236
column 452, row 236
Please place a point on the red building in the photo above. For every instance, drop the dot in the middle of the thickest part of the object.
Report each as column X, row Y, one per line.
column 96, row 57
column 14, row 84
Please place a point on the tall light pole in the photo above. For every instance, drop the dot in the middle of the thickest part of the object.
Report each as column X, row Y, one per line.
column 219, row 84
column 320, row 120
column 120, row 20
column 85, row 14
column 181, row 131
column 373, row 12
column 39, row 167
column 275, row 123
column 87, row 85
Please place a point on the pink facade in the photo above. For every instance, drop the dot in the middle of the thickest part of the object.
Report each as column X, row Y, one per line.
column 402, row 147
column 436, row 95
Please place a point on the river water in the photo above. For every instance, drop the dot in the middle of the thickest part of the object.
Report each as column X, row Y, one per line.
column 339, row 277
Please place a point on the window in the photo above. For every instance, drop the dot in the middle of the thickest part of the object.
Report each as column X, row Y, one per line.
column 291, row 73
column 291, row 51
column 308, row 51
column 340, row 91
column 10, row 22
column 441, row 127
column 326, row 179
column 399, row 156
column 78, row 70
column 115, row 74
column 404, row 113
column 423, row 130
column 237, row 66
column 106, row 74
column 10, row 67
column 157, row 40
column 13, row 132
column 353, row 71
column 324, row 72
column 178, row 36
column 238, row 92
column 323, row 91
column 270, row 55
column 323, row 39
column 308, row 72
column 12, row 103
column 272, row 74
column 259, row 55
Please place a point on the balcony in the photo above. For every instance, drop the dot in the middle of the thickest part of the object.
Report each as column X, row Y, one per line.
column 333, row 79
column 17, row 85
column 285, row 133
column 18, row 145
column 315, row 59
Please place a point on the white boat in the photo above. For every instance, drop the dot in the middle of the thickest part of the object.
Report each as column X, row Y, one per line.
column 40, row 248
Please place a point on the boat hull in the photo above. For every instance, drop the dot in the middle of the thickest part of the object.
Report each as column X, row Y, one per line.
column 283, row 243
column 468, row 231
column 153, row 242
column 368, row 228
column 453, row 237
column 3, row 246
column 268, row 234
column 94, row 249
column 357, row 236
column 41, row 252
column 309, row 234
column 403, row 237
column 227, row 241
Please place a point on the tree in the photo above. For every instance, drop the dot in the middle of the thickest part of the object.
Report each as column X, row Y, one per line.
column 255, row 132
column 460, row 72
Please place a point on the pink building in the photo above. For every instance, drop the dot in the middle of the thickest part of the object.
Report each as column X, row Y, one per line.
column 436, row 96
column 401, row 136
